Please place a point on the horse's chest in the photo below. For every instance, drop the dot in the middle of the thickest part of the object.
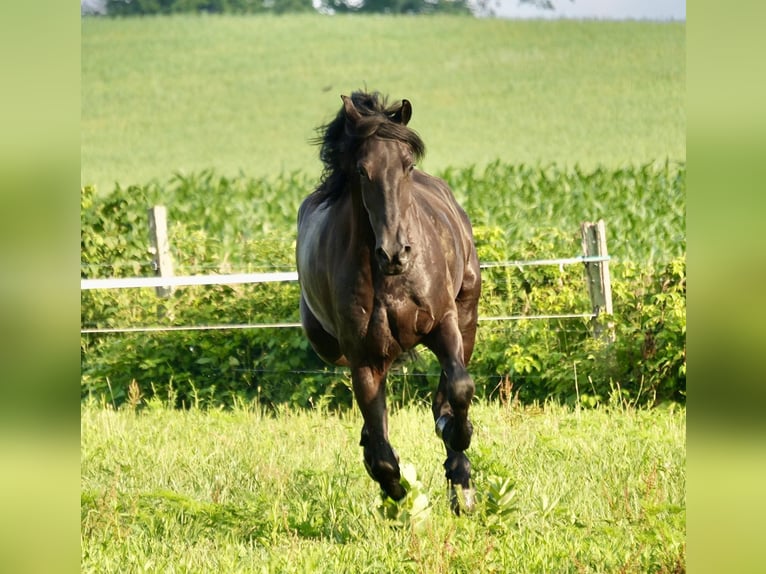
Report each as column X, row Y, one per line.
column 396, row 325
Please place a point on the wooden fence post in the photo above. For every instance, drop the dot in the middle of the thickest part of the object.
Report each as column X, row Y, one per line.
column 597, row 273
column 158, row 233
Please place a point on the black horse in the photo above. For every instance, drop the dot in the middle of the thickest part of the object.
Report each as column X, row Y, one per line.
column 386, row 261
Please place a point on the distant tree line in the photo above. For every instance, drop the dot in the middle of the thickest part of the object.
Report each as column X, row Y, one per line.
column 149, row 7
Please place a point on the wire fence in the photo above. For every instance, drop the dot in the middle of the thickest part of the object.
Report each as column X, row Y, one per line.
column 292, row 276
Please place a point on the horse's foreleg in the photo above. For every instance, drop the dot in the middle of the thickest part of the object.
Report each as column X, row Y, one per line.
column 456, row 388
column 450, row 410
column 457, row 467
column 458, row 473
column 380, row 460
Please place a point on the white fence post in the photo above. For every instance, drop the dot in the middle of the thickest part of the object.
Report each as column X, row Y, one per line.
column 158, row 235
column 597, row 272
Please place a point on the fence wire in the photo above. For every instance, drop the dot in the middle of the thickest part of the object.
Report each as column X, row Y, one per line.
column 500, row 292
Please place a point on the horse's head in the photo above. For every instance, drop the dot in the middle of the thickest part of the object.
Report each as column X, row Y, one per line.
column 383, row 162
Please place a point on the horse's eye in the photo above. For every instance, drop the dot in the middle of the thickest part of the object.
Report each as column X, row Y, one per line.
column 362, row 171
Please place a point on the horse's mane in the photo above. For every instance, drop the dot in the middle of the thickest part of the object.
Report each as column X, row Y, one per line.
column 339, row 139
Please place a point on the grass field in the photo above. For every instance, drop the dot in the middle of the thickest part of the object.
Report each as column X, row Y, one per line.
column 161, row 95
column 240, row 491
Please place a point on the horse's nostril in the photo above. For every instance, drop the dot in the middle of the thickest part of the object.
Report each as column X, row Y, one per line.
column 381, row 253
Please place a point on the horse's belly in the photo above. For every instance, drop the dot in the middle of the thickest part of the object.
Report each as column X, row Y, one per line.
column 313, row 259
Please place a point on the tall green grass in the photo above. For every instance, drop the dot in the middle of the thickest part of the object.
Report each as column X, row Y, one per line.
column 161, row 95
column 239, row 491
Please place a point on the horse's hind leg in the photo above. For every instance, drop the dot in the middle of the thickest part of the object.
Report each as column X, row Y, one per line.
column 380, row 460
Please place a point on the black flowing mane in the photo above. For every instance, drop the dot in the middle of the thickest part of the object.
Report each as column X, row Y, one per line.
column 339, row 140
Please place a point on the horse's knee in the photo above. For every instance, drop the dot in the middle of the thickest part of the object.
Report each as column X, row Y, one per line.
column 461, row 393
column 452, row 424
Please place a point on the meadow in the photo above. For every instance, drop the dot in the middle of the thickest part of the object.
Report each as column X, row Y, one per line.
column 537, row 126
column 244, row 95
column 239, row 490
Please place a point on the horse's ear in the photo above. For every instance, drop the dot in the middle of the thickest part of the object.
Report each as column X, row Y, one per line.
column 351, row 112
column 406, row 112
column 403, row 114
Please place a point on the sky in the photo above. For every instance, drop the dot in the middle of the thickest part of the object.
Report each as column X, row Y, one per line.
column 592, row 9
column 595, row 9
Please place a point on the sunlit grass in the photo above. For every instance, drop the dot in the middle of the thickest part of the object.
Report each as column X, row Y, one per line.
column 240, row 490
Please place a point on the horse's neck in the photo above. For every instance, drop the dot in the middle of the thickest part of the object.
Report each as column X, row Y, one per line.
column 361, row 231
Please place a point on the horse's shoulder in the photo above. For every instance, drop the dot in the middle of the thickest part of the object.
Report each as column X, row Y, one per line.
column 436, row 194
column 306, row 207
column 423, row 178
column 311, row 206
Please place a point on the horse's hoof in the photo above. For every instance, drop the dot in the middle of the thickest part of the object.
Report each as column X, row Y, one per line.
column 394, row 490
column 462, row 499
column 387, row 475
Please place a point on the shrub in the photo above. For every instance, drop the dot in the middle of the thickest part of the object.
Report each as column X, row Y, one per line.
column 221, row 225
column 647, row 360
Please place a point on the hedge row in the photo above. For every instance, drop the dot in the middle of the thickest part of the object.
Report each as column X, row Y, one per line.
column 221, row 225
